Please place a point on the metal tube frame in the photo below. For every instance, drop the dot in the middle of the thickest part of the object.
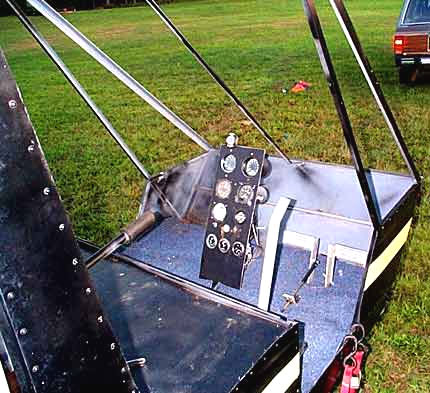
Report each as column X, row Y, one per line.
column 354, row 42
column 167, row 21
column 75, row 35
column 330, row 74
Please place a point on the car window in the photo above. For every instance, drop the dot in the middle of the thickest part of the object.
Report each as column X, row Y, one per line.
column 418, row 12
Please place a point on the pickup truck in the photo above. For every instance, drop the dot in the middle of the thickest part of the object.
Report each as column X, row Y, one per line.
column 411, row 40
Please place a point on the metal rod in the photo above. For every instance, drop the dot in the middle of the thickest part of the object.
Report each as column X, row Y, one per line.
column 354, row 42
column 107, row 250
column 157, row 9
column 330, row 74
column 85, row 96
column 75, row 35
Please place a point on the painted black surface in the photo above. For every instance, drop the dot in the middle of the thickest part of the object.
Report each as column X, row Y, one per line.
column 191, row 344
column 64, row 341
column 227, row 266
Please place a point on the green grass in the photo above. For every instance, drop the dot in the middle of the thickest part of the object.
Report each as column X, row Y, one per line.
column 258, row 47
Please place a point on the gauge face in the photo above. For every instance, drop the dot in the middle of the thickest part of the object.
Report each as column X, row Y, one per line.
column 238, row 249
column 211, row 241
column 251, row 167
column 262, row 194
column 224, row 245
column 240, row 217
column 219, row 212
column 245, row 194
column 223, row 189
column 228, row 163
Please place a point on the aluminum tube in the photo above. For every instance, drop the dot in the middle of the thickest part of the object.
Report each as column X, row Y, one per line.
column 78, row 87
column 107, row 250
column 75, row 35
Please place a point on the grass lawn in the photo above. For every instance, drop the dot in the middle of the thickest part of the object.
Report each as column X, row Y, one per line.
column 259, row 47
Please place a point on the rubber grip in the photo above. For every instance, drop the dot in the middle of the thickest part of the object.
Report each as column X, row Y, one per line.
column 146, row 221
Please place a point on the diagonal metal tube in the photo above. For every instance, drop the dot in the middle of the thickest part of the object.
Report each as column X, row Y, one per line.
column 215, row 76
column 75, row 35
column 354, row 42
column 88, row 100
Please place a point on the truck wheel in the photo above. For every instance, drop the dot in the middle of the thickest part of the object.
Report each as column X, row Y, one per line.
column 407, row 75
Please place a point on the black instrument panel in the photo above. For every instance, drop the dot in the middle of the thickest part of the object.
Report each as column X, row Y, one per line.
column 231, row 214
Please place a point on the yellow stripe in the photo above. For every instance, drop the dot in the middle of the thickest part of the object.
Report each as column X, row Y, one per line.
column 285, row 378
column 381, row 263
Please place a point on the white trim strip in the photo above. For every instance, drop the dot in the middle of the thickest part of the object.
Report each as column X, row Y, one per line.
column 285, row 378
column 380, row 264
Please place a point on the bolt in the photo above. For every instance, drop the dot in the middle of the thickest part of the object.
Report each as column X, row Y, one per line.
column 112, row 346
column 100, row 319
column 88, row 291
column 30, row 148
column 75, row 261
column 123, row 370
column 46, row 191
column 12, row 104
column 61, row 227
column 35, row 368
column 10, row 296
column 23, row 331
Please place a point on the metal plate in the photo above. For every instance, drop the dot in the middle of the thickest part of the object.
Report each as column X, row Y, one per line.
column 65, row 342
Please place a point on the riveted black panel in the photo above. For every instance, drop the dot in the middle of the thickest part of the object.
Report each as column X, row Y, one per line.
column 64, row 342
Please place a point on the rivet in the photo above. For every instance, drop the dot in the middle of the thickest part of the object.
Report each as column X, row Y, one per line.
column 10, row 296
column 100, row 319
column 61, row 227
column 75, row 261
column 23, row 331
column 123, row 370
column 112, row 346
column 4, row 66
column 88, row 291
column 12, row 104
column 30, row 148
column 46, row 191
column 35, row 368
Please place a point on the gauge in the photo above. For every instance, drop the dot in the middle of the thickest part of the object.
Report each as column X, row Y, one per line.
column 245, row 194
column 219, row 212
column 224, row 245
column 211, row 241
column 251, row 167
column 240, row 217
column 262, row 194
column 238, row 249
column 223, row 189
column 228, row 163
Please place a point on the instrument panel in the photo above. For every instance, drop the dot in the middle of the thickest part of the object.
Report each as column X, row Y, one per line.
column 226, row 247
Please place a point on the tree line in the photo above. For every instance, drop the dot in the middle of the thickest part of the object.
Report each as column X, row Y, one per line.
column 75, row 5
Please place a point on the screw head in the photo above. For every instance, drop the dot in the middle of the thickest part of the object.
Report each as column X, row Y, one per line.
column 46, row 191
column 100, row 319
column 23, row 331
column 30, row 148
column 112, row 346
column 88, row 291
column 61, row 227
column 10, row 296
column 35, row 368
column 12, row 104
column 75, row 261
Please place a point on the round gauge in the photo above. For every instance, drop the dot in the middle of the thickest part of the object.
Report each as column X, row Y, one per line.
column 238, row 249
column 228, row 163
column 240, row 217
column 223, row 189
column 251, row 167
column 245, row 194
column 262, row 194
column 219, row 212
column 211, row 241
column 224, row 245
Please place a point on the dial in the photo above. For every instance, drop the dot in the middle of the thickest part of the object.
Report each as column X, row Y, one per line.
column 245, row 194
column 224, row 245
column 240, row 217
column 223, row 189
column 219, row 212
column 262, row 194
column 251, row 167
column 211, row 241
column 238, row 249
column 228, row 163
